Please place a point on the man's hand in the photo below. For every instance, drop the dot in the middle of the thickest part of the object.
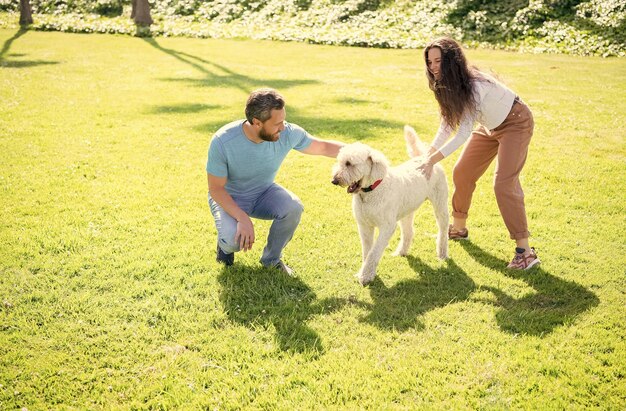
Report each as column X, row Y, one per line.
column 245, row 230
column 245, row 233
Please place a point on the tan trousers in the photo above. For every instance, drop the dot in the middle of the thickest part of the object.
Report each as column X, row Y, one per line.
column 509, row 141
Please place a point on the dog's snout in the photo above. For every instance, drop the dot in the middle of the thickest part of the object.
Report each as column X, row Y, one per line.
column 335, row 181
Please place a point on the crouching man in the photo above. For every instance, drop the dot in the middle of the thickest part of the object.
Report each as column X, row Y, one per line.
column 244, row 157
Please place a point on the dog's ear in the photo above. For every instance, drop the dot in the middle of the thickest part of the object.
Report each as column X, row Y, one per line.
column 379, row 165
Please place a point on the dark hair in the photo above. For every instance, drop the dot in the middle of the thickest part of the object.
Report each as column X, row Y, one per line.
column 261, row 102
column 454, row 90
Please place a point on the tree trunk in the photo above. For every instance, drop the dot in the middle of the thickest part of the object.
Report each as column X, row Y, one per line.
column 141, row 13
column 26, row 13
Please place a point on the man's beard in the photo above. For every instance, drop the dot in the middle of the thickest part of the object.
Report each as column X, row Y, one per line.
column 268, row 137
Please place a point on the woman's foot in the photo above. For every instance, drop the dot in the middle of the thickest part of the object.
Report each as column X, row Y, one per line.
column 523, row 259
column 454, row 234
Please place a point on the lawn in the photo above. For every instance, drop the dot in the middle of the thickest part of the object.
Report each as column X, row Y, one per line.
column 110, row 296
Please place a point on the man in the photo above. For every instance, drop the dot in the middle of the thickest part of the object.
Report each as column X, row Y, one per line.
column 244, row 157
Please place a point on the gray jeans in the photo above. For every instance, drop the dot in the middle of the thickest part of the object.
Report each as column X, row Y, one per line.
column 276, row 203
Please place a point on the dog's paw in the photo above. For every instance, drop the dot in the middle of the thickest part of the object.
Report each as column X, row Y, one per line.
column 400, row 253
column 442, row 248
column 365, row 281
column 365, row 278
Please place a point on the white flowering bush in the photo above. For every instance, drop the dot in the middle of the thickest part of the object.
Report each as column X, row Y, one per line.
column 593, row 27
column 9, row 5
column 606, row 13
column 108, row 7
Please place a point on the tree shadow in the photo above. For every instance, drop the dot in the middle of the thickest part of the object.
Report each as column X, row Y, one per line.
column 355, row 128
column 350, row 100
column 555, row 302
column 183, row 108
column 219, row 75
column 398, row 307
column 4, row 53
column 7, row 44
column 264, row 297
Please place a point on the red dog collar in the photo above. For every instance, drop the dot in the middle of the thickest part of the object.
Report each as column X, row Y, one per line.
column 373, row 186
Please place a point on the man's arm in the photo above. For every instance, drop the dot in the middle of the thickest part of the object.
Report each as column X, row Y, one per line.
column 245, row 229
column 328, row 148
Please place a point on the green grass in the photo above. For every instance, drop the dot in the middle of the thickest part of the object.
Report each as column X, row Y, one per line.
column 110, row 296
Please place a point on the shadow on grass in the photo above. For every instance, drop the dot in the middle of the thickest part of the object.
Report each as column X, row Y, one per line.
column 398, row 307
column 357, row 129
column 555, row 302
column 218, row 75
column 183, row 108
column 262, row 297
column 350, row 100
column 354, row 128
column 18, row 63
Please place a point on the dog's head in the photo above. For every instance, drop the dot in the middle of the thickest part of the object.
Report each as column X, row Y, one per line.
column 357, row 166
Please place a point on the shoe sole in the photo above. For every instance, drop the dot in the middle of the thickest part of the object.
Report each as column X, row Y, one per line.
column 226, row 263
column 458, row 238
column 531, row 265
column 277, row 267
column 534, row 263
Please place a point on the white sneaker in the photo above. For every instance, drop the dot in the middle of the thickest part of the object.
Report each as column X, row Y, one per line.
column 281, row 266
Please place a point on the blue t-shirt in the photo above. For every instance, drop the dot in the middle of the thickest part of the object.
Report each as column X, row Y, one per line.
column 250, row 168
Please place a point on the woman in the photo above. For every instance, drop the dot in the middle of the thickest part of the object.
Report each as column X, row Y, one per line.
column 466, row 96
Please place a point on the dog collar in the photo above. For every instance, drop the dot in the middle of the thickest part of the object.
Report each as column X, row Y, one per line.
column 373, row 186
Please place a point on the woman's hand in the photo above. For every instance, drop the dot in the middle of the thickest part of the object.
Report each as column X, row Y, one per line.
column 434, row 156
column 426, row 168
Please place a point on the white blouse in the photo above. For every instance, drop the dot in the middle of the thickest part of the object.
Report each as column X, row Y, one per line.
column 493, row 104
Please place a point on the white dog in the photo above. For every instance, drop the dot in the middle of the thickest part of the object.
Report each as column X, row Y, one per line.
column 384, row 196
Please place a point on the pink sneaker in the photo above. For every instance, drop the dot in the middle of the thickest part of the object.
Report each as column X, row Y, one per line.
column 524, row 262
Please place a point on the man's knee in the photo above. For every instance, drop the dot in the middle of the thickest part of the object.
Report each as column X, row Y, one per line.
column 293, row 209
column 228, row 244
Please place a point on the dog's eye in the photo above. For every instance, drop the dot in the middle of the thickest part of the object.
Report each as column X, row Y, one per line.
column 348, row 164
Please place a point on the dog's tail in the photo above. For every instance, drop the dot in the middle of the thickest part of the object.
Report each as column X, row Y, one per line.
column 414, row 145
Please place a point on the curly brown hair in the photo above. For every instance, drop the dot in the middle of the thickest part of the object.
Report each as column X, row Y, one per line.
column 454, row 90
column 261, row 102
